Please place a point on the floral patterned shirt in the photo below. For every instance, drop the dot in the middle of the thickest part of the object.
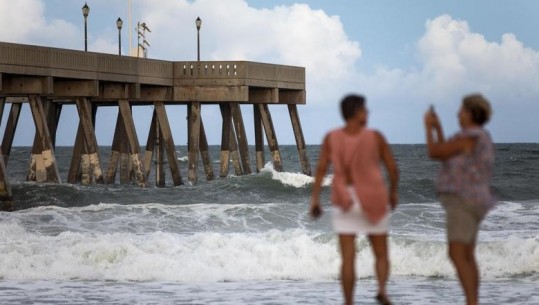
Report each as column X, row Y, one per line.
column 468, row 174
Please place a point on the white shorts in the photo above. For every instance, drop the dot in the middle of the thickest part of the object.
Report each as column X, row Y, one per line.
column 354, row 221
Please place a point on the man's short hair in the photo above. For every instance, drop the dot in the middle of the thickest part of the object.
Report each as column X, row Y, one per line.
column 351, row 104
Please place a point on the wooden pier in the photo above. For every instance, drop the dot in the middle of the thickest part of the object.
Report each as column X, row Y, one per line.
column 48, row 78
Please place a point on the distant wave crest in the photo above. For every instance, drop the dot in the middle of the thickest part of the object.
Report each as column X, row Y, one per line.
column 297, row 180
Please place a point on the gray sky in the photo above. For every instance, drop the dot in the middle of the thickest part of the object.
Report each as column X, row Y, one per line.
column 403, row 55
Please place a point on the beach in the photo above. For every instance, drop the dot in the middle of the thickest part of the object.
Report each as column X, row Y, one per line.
column 249, row 240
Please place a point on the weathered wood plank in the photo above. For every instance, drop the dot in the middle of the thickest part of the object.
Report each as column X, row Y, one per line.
column 134, row 146
column 159, row 171
column 125, row 159
column 9, row 134
column 6, row 197
column 300, row 140
column 43, row 131
column 87, row 116
column 115, row 151
column 53, row 111
column 204, row 153
column 271, row 137
column 225, row 139
column 234, row 154
column 2, row 104
column 74, row 174
column 241, row 137
column 193, row 116
column 259, row 139
column 150, row 145
column 168, row 142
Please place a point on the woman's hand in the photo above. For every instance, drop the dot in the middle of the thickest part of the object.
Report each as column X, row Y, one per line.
column 315, row 211
column 431, row 119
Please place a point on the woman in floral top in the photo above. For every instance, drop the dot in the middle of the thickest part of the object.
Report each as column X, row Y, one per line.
column 463, row 184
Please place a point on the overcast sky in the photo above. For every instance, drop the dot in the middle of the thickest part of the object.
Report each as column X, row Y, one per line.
column 403, row 55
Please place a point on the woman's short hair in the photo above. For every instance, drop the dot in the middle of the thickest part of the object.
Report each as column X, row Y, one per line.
column 351, row 104
column 478, row 107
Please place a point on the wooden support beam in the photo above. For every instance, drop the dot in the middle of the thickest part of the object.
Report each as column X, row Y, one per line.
column 42, row 130
column 271, row 137
column 6, row 197
column 292, row 97
column 115, row 151
column 11, row 127
column 259, row 139
column 74, row 174
column 168, row 142
column 209, row 93
column 53, row 116
column 114, row 91
column 134, row 146
column 150, row 144
column 159, row 156
column 241, row 136
column 193, row 117
column 80, row 156
column 2, row 104
column 86, row 115
column 23, row 85
column 234, row 154
column 37, row 171
column 264, row 95
column 205, row 154
column 300, row 140
column 153, row 93
column 76, row 88
column 225, row 139
column 126, row 166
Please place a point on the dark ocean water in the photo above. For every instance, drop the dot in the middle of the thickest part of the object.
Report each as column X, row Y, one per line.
column 248, row 240
column 516, row 177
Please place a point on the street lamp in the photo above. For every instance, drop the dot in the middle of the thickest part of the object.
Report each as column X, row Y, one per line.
column 85, row 12
column 198, row 23
column 119, row 24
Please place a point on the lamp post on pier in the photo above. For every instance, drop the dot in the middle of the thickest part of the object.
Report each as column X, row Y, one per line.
column 198, row 23
column 85, row 12
column 119, row 24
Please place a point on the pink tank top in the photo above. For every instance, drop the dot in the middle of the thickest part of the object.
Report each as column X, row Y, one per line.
column 358, row 156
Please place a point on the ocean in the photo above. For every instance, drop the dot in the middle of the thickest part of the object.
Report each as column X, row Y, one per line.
column 249, row 240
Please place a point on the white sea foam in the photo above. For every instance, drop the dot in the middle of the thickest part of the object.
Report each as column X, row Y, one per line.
column 297, row 180
column 183, row 159
column 296, row 254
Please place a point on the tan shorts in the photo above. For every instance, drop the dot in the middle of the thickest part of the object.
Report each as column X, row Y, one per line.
column 462, row 218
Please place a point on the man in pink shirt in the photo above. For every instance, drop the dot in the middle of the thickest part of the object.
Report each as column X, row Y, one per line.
column 361, row 200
